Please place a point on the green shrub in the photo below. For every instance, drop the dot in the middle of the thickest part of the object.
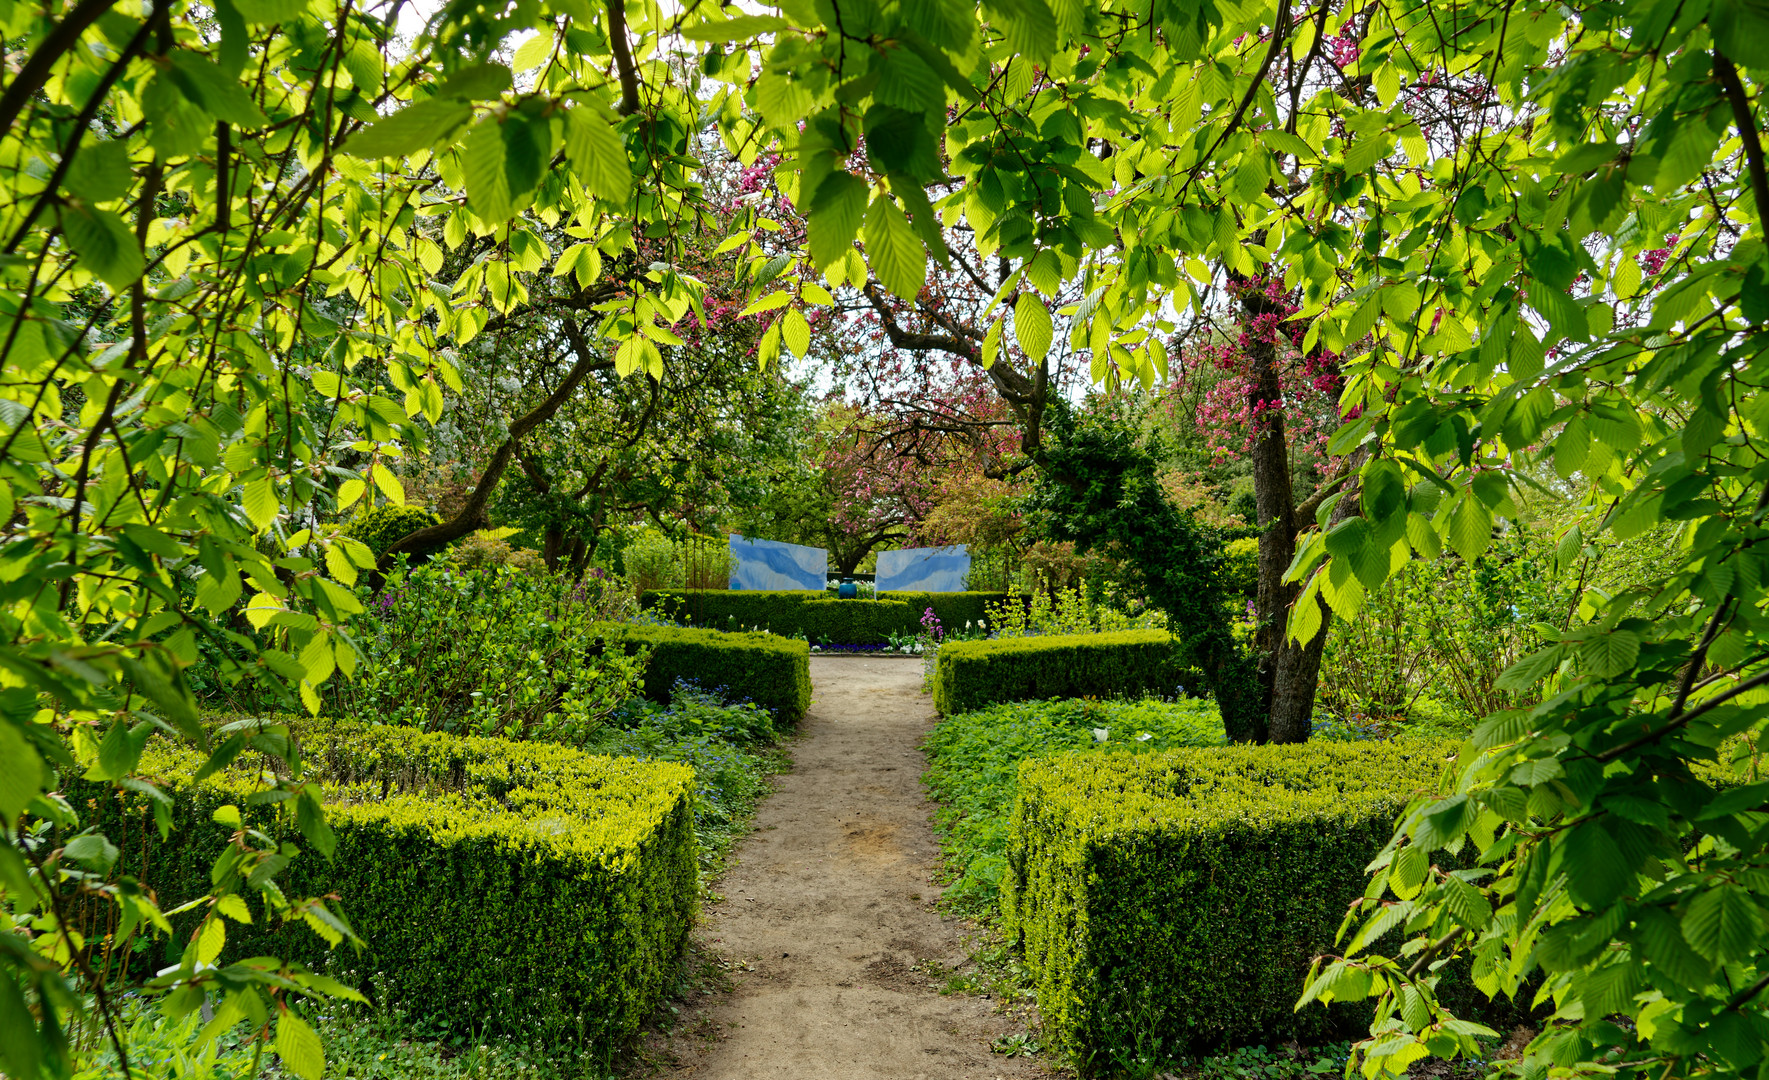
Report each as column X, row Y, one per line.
column 1127, row 664
column 384, row 526
column 1177, row 899
column 974, row 767
column 772, row 671
column 495, row 885
column 1240, row 567
column 816, row 615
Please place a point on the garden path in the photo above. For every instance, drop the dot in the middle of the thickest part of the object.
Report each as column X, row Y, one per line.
column 828, row 920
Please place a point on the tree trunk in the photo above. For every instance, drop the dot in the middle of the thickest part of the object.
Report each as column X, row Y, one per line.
column 1289, row 673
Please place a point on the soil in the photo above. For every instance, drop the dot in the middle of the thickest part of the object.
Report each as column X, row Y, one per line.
column 827, row 922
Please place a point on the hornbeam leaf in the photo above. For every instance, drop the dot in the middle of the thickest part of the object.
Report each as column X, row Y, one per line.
column 1471, row 526
column 893, row 250
column 411, row 129
column 1608, row 655
column 1596, row 873
column 1032, row 326
column 259, row 498
column 299, row 1047
column 1723, row 924
column 837, row 209
column 104, row 244
column 488, row 184
column 265, row 12
column 597, row 154
column 738, row 29
column 480, row 82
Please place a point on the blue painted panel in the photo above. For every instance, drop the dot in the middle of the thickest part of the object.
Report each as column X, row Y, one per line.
column 769, row 564
column 941, row 569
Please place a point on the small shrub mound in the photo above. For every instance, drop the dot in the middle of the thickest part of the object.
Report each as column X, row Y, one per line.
column 1126, row 664
column 1166, row 901
column 774, row 672
column 502, row 886
column 385, row 526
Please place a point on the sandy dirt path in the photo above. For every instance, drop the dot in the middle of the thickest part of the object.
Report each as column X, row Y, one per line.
column 829, row 911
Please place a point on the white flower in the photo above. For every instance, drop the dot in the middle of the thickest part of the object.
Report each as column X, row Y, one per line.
column 984, row 623
column 1101, row 734
column 1144, row 737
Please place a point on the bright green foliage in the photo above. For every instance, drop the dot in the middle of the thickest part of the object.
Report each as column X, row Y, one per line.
column 383, row 526
column 815, row 616
column 974, row 766
column 772, row 671
column 1126, row 664
column 524, row 882
column 1240, row 567
column 1163, row 900
column 488, row 651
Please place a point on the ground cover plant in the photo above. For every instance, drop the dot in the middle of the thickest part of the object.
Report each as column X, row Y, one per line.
column 974, row 764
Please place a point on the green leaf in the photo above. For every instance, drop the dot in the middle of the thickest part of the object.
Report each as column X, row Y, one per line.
column 260, row 501
column 837, row 209
column 104, row 244
column 21, row 771
column 1470, row 526
column 1663, row 945
column 893, row 250
column 1028, row 25
column 21, row 1045
column 738, row 29
column 299, row 1047
column 597, row 155
column 411, row 129
column 1596, row 873
column 488, row 184
column 907, row 82
column 945, row 23
column 528, row 146
column 1032, row 326
column 265, row 12
column 1723, row 924
column 1530, row 670
column 222, row 95
column 477, row 82
column 93, row 851
column 1608, row 655
column 100, row 172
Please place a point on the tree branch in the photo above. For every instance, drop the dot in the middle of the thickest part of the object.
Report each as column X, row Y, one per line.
column 56, row 44
column 623, row 57
column 1747, row 133
column 473, row 512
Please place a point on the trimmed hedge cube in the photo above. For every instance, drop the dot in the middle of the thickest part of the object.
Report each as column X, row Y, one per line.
column 1124, row 664
column 774, row 672
column 1180, row 897
column 495, row 885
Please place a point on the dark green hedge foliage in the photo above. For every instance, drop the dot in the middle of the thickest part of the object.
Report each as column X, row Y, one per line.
column 772, row 671
column 1124, row 664
column 495, row 884
column 1178, row 898
column 815, row 614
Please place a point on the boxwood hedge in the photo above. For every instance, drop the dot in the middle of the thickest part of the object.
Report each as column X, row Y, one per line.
column 494, row 884
column 816, row 615
column 774, row 672
column 1177, row 899
column 1123, row 664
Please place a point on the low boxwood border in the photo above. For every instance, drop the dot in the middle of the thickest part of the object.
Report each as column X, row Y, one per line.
column 523, row 887
column 1123, row 664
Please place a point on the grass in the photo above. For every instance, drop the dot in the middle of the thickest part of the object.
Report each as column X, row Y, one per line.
column 974, row 762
